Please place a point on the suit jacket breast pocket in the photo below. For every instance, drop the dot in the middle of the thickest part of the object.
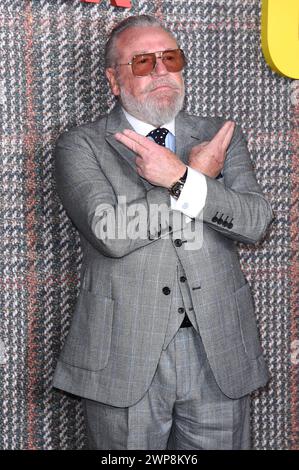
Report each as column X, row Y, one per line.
column 248, row 326
column 87, row 345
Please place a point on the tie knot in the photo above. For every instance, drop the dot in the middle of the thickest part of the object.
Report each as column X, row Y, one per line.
column 159, row 135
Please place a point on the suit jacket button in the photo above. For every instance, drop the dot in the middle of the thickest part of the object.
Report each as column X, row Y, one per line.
column 178, row 242
column 220, row 220
column 181, row 310
column 166, row 290
column 225, row 223
column 230, row 225
column 183, row 279
column 215, row 218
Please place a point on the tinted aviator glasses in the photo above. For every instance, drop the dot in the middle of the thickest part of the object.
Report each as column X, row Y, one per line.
column 144, row 64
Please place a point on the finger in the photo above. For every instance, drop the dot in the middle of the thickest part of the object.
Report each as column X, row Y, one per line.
column 228, row 137
column 140, row 139
column 196, row 150
column 139, row 170
column 132, row 144
column 201, row 145
column 220, row 136
column 148, row 144
column 138, row 161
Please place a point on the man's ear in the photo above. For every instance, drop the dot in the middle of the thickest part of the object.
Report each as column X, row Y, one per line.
column 111, row 77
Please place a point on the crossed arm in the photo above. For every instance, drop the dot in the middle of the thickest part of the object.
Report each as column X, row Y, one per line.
column 88, row 196
column 237, row 209
column 162, row 167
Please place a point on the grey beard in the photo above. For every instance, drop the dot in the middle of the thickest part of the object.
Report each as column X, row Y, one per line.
column 152, row 111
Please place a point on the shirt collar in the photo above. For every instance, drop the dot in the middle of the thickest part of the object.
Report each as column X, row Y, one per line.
column 143, row 128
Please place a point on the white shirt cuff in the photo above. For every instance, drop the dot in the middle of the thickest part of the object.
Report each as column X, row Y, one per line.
column 193, row 195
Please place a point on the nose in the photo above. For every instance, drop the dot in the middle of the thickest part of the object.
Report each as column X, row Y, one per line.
column 160, row 68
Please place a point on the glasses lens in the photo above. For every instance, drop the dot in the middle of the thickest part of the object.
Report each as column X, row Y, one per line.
column 174, row 61
column 143, row 64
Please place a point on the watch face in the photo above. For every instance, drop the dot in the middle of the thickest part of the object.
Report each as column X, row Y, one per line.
column 176, row 189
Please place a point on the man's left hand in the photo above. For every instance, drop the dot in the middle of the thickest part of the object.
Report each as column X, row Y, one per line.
column 155, row 163
column 208, row 157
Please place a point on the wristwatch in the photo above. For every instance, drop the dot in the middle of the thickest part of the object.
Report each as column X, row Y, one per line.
column 176, row 189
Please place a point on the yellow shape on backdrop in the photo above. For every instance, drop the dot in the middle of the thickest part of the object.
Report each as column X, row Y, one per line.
column 280, row 36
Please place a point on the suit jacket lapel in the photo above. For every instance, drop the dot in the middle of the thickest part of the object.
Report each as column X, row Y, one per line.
column 117, row 122
column 184, row 133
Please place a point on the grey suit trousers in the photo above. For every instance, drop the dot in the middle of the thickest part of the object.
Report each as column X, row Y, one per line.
column 183, row 408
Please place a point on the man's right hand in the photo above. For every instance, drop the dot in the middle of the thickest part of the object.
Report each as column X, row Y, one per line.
column 208, row 157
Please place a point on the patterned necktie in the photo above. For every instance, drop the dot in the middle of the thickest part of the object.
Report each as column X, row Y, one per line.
column 159, row 135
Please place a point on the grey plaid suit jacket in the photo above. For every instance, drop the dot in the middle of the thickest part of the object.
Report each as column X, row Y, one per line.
column 120, row 319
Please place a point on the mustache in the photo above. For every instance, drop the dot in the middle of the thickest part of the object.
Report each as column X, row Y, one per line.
column 164, row 82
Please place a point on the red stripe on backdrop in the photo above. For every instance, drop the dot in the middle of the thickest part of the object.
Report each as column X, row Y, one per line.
column 294, row 216
column 30, row 224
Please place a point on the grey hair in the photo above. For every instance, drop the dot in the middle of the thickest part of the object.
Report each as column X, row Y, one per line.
column 130, row 22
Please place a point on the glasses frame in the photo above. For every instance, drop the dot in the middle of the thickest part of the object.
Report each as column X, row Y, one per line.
column 160, row 56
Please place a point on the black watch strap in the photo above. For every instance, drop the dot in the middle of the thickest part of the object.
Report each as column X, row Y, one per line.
column 184, row 177
column 176, row 188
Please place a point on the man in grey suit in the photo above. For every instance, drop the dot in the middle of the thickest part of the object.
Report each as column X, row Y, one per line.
column 163, row 346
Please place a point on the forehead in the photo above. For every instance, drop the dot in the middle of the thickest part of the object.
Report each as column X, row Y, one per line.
column 143, row 39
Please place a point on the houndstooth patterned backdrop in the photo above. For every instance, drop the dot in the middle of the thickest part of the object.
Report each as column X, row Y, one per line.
column 51, row 77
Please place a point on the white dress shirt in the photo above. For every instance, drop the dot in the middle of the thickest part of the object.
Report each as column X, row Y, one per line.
column 193, row 195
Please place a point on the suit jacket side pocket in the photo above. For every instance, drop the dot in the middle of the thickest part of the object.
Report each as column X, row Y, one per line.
column 87, row 345
column 248, row 326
